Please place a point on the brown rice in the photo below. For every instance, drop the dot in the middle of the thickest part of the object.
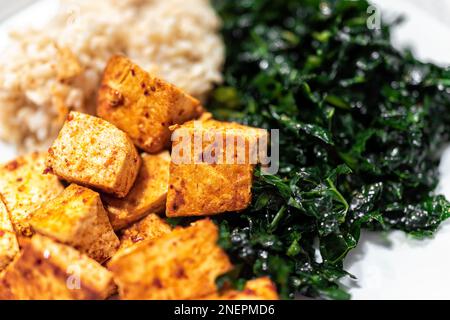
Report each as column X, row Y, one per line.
column 45, row 73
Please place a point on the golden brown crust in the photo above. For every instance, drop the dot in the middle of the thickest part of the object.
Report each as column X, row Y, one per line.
column 92, row 152
column 257, row 289
column 142, row 105
column 147, row 195
column 182, row 264
column 46, row 270
column 77, row 218
column 9, row 247
column 207, row 188
column 24, row 187
column 149, row 228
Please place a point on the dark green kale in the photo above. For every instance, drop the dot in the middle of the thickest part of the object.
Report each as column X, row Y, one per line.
column 361, row 126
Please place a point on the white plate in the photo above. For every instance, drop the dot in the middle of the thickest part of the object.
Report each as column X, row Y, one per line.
column 404, row 268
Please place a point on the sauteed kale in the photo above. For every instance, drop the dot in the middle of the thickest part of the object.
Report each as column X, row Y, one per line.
column 361, row 126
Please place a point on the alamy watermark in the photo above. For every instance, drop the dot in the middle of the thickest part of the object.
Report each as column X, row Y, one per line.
column 73, row 281
column 374, row 20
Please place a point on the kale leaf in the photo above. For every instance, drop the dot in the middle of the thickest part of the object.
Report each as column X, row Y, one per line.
column 361, row 126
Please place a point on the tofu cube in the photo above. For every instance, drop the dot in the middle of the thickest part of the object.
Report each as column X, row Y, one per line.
column 91, row 152
column 142, row 105
column 9, row 247
column 24, row 187
column 183, row 264
column 47, row 270
column 214, row 175
column 257, row 289
column 149, row 228
column 147, row 195
column 77, row 218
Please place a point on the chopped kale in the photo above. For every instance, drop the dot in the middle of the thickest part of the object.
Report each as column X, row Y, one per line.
column 361, row 126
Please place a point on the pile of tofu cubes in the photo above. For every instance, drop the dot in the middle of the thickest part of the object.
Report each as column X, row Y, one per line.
column 87, row 219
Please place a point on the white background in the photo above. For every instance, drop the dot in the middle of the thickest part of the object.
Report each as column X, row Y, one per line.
column 388, row 267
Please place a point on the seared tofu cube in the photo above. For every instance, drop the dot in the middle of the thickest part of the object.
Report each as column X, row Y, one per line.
column 9, row 247
column 256, row 289
column 214, row 175
column 183, row 264
column 24, row 187
column 147, row 195
column 142, row 105
column 47, row 270
column 92, row 152
column 149, row 228
column 77, row 218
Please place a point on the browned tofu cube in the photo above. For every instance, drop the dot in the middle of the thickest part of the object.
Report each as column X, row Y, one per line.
column 47, row 270
column 142, row 105
column 24, row 187
column 257, row 289
column 9, row 247
column 149, row 228
column 92, row 152
column 147, row 195
column 183, row 264
column 201, row 185
column 77, row 218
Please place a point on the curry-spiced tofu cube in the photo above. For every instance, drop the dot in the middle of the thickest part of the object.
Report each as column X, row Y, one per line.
column 9, row 247
column 212, row 166
column 149, row 228
column 182, row 264
column 77, row 218
column 92, row 152
column 47, row 270
column 24, row 186
column 143, row 105
column 257, row 289
column 148, row 194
